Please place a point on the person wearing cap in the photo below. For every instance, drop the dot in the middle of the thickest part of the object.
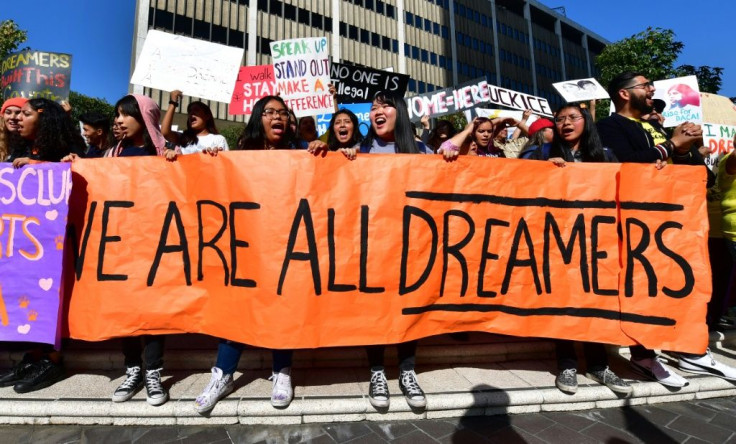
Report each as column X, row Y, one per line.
column 540, row 132
column 10, row 140
column 635, row 140
column 513, row 146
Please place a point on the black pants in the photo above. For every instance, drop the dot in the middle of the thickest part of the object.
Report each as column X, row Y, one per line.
column 595, row 355
column 149, row 348
column 406, row 352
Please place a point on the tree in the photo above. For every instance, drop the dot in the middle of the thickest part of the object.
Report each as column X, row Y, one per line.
column 709, row 78
column 83, row 104
column 231, row 134
column 10, row 37
column 652, row 53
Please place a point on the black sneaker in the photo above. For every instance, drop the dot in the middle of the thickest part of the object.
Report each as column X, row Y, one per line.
column 410, row 388
column 133, row 382
column 156, row 394
column 611, row 380
column 41, row 375
column 17, row 373
column 378, row 390
column 567, row 381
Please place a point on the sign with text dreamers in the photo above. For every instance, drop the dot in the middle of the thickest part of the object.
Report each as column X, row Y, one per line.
column 253, row 82
column 719, row 141
column 32, row 229
column 302, row 73
column 377, row 251
column 516, row 100
column 358, row 84
column 36, row 74
column 448, row 100
column 197, row 68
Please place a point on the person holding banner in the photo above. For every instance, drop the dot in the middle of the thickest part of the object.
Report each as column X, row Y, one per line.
column 10, row 140
column 443, row 130
column 307, row 132
column 201, row 133
column 96, row 129
column 479, row 131
column 540, row 132
column 576, row 140
column 267, row 129
column 343, row 131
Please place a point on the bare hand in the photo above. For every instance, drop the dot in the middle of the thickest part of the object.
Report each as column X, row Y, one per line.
column 175, row 95
column 559, row 161
column 350, row 153
column 212, row 151
column 21, row 161
column 331, row 88
column 660, row 164
column 449, row 155
column 70, row 158
column 425, row 121
column 170, row 154
column 525, row 115
column 317, row 147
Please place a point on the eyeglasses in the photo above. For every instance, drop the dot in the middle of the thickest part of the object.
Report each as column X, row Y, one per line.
column 645, row 85
column 573, row 118
column 272, row 113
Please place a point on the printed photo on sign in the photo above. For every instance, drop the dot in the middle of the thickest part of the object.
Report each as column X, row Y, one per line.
column 682, row 98
column 301, row 70
column 195, row 67
column 37, row 74
column 581, row 90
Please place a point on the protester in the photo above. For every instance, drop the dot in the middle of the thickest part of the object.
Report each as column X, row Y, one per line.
column 443, row 130
column 307, row 132
column 540, row 132
column 343, row 131
column 96, row 129
column 479, row 131
column 13, row 144
column 513, row 146
column 137, row 118
column 201, row 133
column 50, row 135
column 267, row 129
column 635, row 140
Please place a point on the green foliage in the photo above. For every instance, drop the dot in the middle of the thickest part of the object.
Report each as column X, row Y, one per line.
column 83, row 104
column 458, row 120
column 231, row 133
column 709, row 78
column 10, row 37
column 652, row 53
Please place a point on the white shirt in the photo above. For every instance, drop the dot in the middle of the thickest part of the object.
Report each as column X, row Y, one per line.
column 204, row 142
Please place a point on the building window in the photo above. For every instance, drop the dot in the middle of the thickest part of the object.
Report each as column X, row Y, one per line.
column 316, row 20
column 364, row 36
column 303, row 16
column 275, row 7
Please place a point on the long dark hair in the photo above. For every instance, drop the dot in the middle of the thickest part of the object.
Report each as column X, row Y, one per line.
column 590, row 147
column 56, row 134
column 355, row 139
column 252, row 137
column 128, row 106
column 189, row 136
column 442, row 126
column 403, row 130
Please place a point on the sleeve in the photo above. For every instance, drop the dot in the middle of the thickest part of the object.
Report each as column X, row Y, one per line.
column 615, row 138
column 223, row 143
column 425, row 135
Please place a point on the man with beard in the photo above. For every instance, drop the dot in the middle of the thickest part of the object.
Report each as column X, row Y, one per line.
column 633, row 139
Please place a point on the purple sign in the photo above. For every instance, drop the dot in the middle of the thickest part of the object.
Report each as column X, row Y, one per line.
column 32, row 230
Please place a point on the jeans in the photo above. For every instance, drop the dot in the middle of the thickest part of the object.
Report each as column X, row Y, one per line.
column 229, row 352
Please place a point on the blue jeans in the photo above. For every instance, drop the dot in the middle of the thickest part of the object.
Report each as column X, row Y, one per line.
column 228, row 355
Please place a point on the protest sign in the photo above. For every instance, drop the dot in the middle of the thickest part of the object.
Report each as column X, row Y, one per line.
column 581, row 90
column 195, row 67
column 495, row 113
column 361, row 111
column 719, row 141
column 448, row 100
column 37, row 74
column 358, row 84
column 718, row 109
column 32, row 229
column 516, row 100
column 253, row 82
column 302, row 74
column 682, row 98
column 283, row 249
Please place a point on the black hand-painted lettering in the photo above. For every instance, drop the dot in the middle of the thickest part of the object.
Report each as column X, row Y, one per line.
column 236, row 243
column 331, row 285
column 514, row 261
column 79, row 258
column 172, row 213
column 410, row 211
column 303, row 213
column 364, row 288
column 637, row 253
column 486, row 255
column 578, row 231
column 212, row 243
column 454, row 250
column 687, row 270
column 596, row 254
column 104, row 239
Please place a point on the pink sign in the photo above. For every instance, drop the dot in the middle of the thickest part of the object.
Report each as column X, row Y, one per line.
column 253, row 83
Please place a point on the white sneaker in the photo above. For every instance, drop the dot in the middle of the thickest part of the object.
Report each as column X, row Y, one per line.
column 656, row 371
column 706, row 365
column 282, row 393
column 220, row 385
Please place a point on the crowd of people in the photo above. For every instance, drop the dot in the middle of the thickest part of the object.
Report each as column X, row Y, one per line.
column 39, row 130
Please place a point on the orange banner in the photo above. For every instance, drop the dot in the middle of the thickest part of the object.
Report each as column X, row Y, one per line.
column 285, row 250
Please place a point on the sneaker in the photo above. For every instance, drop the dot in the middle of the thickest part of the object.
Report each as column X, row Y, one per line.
column 133, row 382
column 378, row 389
column 16, row 374
column 156, row 394
column 41, row 375
column 610, row 380
column 656, row 371
column 220, row 386
column 282, row 393
column 567, row 381
column 410, row 388
column 706, row 365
